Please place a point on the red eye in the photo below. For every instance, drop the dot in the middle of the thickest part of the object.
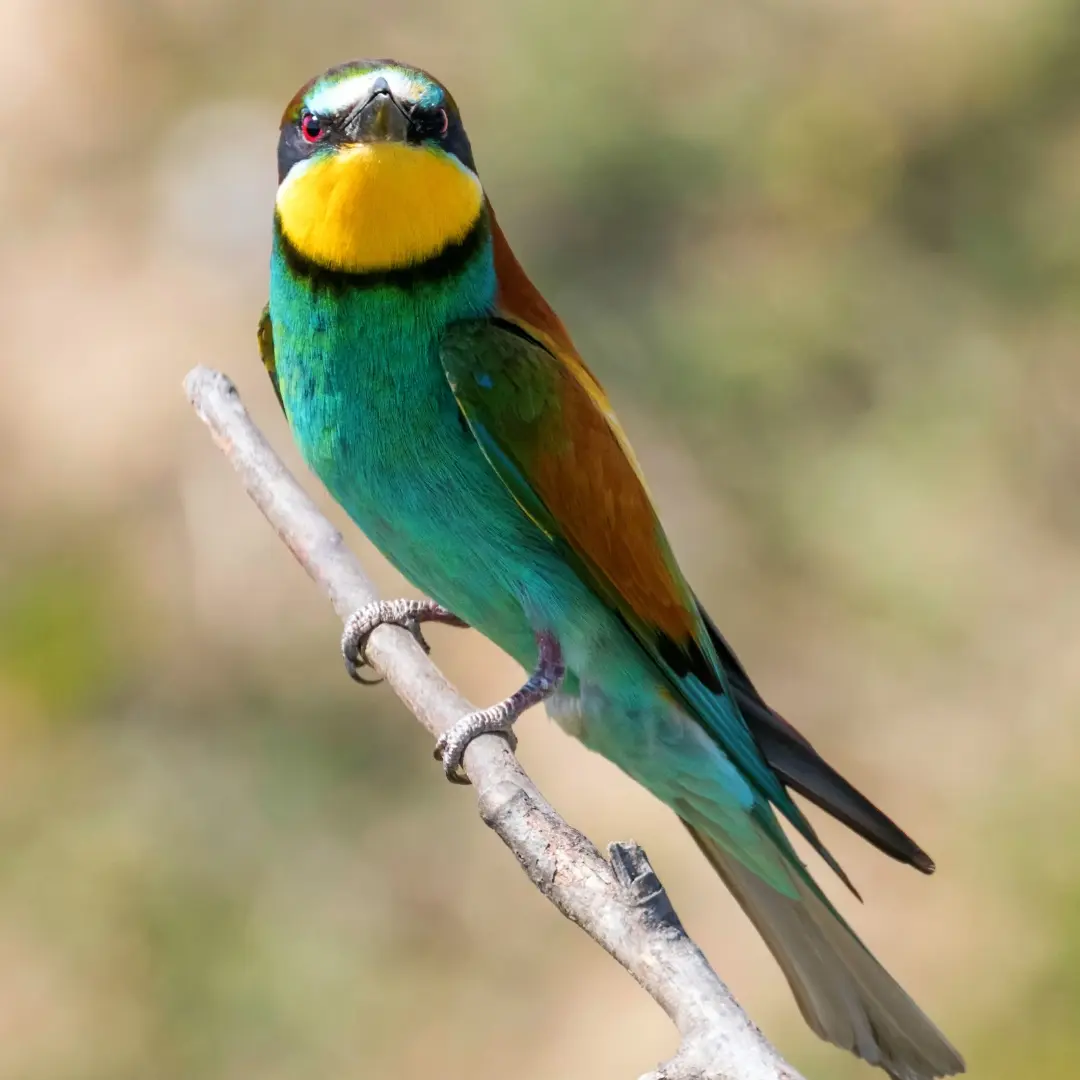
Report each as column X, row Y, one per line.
column 311, row 127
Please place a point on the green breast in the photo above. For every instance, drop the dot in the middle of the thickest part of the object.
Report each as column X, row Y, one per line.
column 359, row 372
column 369, row 403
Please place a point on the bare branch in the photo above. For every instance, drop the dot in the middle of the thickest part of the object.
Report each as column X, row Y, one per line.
column 619, row 903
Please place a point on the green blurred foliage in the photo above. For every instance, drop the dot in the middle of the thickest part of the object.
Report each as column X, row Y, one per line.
column 59, row 641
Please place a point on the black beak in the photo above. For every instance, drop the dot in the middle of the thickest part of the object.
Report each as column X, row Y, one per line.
column 379, row 119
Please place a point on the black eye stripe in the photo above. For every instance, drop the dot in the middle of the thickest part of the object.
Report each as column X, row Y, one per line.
column 448, row 134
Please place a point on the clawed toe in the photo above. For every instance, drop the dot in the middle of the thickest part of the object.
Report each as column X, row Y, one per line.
column 450, row 753
column 414, row 628
column 452, row 744
column 354, row 641
column 405, row 613
column 541, row 684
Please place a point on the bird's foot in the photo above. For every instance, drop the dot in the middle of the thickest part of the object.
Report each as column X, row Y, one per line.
column 405, row 613
column 541, row 684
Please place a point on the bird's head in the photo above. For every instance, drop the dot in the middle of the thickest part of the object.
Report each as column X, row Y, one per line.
column 375, row 170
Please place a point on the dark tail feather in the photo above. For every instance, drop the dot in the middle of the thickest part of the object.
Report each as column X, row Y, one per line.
column 845, row 995
column 802, row 768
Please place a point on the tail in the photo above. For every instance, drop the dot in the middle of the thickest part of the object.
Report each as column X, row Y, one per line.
column 799, row 766
column 846, row 996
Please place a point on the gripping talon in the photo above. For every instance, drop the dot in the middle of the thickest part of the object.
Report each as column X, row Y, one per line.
column 453, row 771
column 544, row 681
column 414, row 628
column 354, row 674
column 405, row 613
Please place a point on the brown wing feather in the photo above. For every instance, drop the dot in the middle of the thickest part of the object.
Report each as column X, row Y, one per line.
column 591, row 483
column 594, row 491
column 519, row 298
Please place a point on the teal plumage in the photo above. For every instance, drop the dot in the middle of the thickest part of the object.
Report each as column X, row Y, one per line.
column 375, row 419
column 443, row 405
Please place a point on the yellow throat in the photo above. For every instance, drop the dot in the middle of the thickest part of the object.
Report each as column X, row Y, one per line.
column 377, row 206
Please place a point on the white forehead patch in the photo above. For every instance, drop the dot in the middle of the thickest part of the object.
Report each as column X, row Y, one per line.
column 348, row 92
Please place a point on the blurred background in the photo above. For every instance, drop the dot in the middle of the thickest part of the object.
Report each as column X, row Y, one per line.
column 825, row 255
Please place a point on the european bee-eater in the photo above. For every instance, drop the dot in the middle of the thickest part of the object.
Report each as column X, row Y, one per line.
column 442, row 403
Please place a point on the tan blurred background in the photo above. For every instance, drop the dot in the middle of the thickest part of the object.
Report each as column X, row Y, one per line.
column 826, row 256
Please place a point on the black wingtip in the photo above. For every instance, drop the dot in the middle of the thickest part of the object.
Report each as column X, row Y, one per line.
column 801, row 768
column 921, row 861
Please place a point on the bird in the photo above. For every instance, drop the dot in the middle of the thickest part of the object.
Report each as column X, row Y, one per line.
column 442, row 403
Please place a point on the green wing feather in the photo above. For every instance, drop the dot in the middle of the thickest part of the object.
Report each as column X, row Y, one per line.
column 548, row 432
column 265, row 335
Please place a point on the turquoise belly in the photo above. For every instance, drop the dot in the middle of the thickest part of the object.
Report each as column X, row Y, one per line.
column 383, row 432
column 374, row 417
